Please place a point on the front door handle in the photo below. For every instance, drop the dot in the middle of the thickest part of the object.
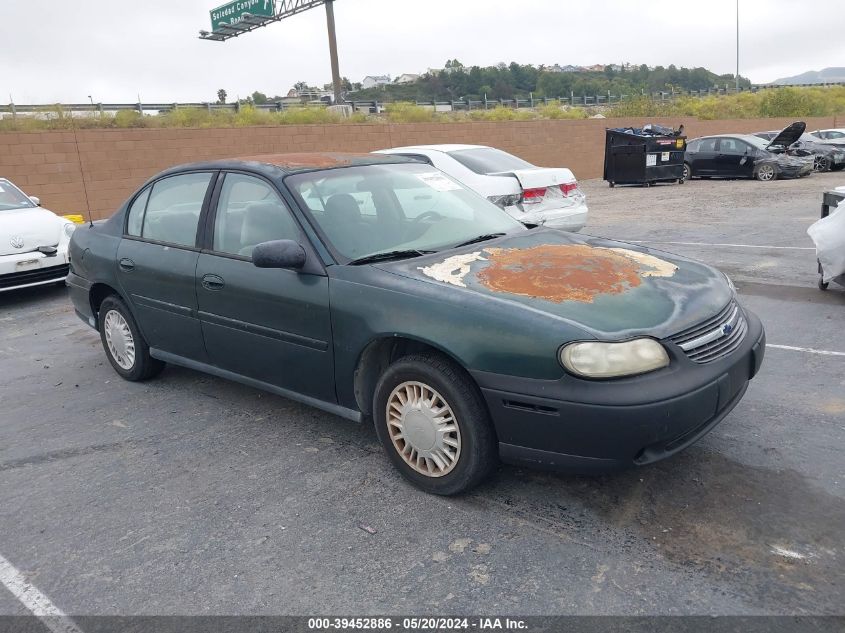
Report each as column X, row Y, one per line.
column 213, row 282
column 126, row 265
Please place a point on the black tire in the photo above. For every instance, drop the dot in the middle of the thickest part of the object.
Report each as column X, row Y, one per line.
column 687, row 173
column 611, row 184
column 144, row 366
column 478, row 453
column 823, row 285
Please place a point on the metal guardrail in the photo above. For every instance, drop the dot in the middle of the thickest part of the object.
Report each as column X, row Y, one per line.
column 379, row 106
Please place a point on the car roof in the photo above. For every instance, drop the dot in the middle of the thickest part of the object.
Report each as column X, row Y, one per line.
column 445, row 147
column 739, row 136
column 292, row 163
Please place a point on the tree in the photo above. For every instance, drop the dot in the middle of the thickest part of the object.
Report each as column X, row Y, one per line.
column 259, row 98
column 221, row 96
column 301, row 86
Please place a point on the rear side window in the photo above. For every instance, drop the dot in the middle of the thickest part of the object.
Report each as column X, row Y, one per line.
column 136, row 214
column 707, row 145
column 174, row 207
column 487, row 160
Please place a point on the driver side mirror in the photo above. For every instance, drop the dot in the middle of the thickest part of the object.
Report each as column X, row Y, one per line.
column 279, row 254
column 36, row 201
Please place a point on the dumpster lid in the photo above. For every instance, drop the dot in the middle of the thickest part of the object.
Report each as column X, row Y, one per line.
column 789, row 134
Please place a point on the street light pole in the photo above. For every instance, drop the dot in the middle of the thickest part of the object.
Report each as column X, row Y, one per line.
column 737, row 45
column 333, row 50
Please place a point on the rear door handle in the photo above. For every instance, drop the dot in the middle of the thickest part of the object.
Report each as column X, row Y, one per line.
column 126, row 265
column 213, row 282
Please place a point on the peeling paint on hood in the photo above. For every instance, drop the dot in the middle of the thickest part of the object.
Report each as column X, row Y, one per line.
column 608, row 288
column 569, row 272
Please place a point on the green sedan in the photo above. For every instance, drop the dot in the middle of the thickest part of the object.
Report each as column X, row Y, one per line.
column 379, row 289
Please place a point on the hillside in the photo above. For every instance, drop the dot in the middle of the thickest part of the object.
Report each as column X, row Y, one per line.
column 828, row 75
column 519, row 81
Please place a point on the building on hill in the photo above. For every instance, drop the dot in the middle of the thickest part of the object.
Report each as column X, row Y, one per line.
column 406, row 78
column 371, row 81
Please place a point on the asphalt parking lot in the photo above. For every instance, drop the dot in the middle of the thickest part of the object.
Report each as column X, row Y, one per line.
column 193, row 495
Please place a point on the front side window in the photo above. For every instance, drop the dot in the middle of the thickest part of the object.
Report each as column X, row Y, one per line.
column 250, row 212
column 732, row 146
column 174, row 207
column 380, row 208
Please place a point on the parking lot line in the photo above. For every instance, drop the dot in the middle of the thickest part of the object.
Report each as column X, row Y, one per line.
column 787, row 248
column 807, row 350
column 36, row 602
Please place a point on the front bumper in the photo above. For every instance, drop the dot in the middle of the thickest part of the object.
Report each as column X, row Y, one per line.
column 597, row 426
column 26, row 270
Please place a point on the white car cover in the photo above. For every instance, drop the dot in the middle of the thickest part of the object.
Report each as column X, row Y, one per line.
column 828, row 234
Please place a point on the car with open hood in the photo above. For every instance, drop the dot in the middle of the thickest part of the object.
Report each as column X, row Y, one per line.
column 543, row 196
column 827, row 155
column 378, row 288
column 33, row 241
column 747, row 156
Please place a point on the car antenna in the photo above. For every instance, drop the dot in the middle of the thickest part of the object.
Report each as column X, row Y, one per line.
column 81, row 171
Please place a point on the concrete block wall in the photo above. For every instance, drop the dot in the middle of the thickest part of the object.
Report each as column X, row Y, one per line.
column 113, row 163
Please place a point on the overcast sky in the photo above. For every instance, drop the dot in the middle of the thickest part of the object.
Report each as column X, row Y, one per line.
column 115, row 50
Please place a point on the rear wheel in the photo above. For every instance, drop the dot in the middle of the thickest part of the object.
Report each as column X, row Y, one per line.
column 766, row 173
column 125, row 348
column 434, row 425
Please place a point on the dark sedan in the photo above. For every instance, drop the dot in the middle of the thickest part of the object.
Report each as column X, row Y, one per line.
column 744, row 156
column 376, row 287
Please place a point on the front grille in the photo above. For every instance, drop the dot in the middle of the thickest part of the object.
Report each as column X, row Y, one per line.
column 715, row 338
column 54, row 273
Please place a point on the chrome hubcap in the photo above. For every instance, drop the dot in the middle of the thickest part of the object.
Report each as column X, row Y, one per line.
column 767, row 172
column 686, row 172
column 423, row 429
column 819, row 163
column 119, row 339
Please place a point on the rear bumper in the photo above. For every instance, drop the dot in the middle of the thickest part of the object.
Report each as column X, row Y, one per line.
column 26, row 270
column 571, row 219
column 79, row 289
column 601, row 426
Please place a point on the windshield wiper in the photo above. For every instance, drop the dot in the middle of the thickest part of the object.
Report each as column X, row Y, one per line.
column 388, row 255
column 480, row 238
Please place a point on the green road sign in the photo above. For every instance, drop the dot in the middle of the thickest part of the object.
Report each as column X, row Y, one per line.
column 233, row 12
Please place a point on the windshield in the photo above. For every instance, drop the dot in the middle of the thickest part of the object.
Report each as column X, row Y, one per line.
column 13, row 198
column 380, row 208
column 487, row 160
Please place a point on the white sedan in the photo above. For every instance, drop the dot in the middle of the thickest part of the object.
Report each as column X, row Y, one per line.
column 33, row 241
column 531, row 194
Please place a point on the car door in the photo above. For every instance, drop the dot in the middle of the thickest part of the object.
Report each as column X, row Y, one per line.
column 733, row 158
column 271, row 325
column 157, row 260
column 703, row 161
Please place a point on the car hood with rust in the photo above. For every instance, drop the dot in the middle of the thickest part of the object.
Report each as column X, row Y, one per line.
column 609, row 289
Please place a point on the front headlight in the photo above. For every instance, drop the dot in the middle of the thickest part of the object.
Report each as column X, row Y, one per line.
column 69, row 229
column 594, row 359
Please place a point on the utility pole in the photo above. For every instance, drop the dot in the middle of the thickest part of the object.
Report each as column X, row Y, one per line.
column 333, row 50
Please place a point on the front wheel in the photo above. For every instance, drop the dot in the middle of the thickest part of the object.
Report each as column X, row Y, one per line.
column 766, row 173
column 125, row 348
column 433, row 423
column 821, row 163
column 687, row 172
